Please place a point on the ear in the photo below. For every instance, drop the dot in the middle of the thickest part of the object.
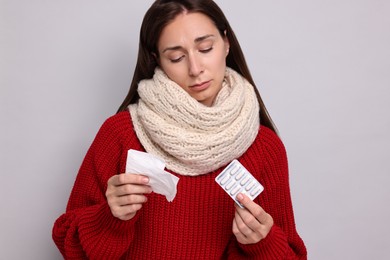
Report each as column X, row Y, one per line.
column 227, row 43
column 156, row 58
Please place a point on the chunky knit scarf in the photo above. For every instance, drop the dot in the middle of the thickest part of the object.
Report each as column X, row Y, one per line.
column 194, row 139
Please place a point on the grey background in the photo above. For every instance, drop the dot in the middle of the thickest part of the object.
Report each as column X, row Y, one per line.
column 322, row 68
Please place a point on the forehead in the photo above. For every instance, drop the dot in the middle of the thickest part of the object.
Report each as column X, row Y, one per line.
column 185, row 28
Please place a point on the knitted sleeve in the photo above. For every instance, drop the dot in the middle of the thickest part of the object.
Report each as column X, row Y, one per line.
column 88, row 230
column 283, row 241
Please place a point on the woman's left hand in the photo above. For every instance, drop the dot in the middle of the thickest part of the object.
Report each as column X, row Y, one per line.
column 251, row 224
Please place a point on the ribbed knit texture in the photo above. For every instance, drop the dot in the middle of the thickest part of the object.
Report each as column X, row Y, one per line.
column 176, row 127
column 196, row 225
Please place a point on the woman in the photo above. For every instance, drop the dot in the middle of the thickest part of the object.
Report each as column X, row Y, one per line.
column 193, row 103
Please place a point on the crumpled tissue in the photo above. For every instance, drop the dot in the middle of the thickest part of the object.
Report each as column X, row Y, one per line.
column 162, row 182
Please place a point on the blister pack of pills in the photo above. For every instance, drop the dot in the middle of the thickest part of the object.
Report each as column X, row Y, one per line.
column 235, row 179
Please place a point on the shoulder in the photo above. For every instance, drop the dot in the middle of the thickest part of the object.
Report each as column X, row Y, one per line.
column 266, row 158
column 267, row 138
column 115, row 128
column 116, row 124
column 121, row 120
column 267, row 147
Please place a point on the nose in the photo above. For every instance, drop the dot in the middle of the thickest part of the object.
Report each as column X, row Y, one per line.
column 195, row 67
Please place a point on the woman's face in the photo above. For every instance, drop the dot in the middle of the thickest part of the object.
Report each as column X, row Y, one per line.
column 193, row 54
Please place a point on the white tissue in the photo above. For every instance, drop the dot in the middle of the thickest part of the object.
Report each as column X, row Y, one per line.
column 162, row 182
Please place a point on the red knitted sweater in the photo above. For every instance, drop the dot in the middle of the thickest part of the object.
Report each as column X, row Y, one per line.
column 196, row 225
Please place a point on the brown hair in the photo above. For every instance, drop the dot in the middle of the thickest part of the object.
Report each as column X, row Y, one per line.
column 157, row 17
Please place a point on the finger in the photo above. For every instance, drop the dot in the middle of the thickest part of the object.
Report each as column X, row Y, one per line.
column 256, row 210
column 128, row 178
column 252, row 231
column 131, row 209
column 116, row 201
column 239, row 235
column 128, row 189
column 126, row 212
column 125, row 207
column 246, row 220
column 242, row 227
column 131, row 199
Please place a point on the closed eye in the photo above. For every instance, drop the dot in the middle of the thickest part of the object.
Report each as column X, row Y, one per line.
column 206, row 50
column 177, row 60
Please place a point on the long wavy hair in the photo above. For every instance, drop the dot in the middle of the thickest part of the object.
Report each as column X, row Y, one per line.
column 160, row 14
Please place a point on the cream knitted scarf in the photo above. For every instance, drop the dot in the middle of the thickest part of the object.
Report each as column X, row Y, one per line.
column 194, row 139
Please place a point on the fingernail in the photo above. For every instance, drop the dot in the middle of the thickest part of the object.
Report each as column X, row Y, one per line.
column 240, row 197
column 145, row 180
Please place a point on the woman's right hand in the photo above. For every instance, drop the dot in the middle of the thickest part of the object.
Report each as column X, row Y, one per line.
column 125, row 194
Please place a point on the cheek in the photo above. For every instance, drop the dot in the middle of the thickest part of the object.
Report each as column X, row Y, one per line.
column 220, row 59
column 174, row 72
column 220, row 66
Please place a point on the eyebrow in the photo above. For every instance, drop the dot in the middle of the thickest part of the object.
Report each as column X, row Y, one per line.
column 197, row 40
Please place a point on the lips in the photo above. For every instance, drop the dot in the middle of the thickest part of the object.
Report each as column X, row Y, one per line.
column 201, row 86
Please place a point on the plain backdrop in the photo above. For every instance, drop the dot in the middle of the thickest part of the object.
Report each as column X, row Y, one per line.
column 322, row 67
